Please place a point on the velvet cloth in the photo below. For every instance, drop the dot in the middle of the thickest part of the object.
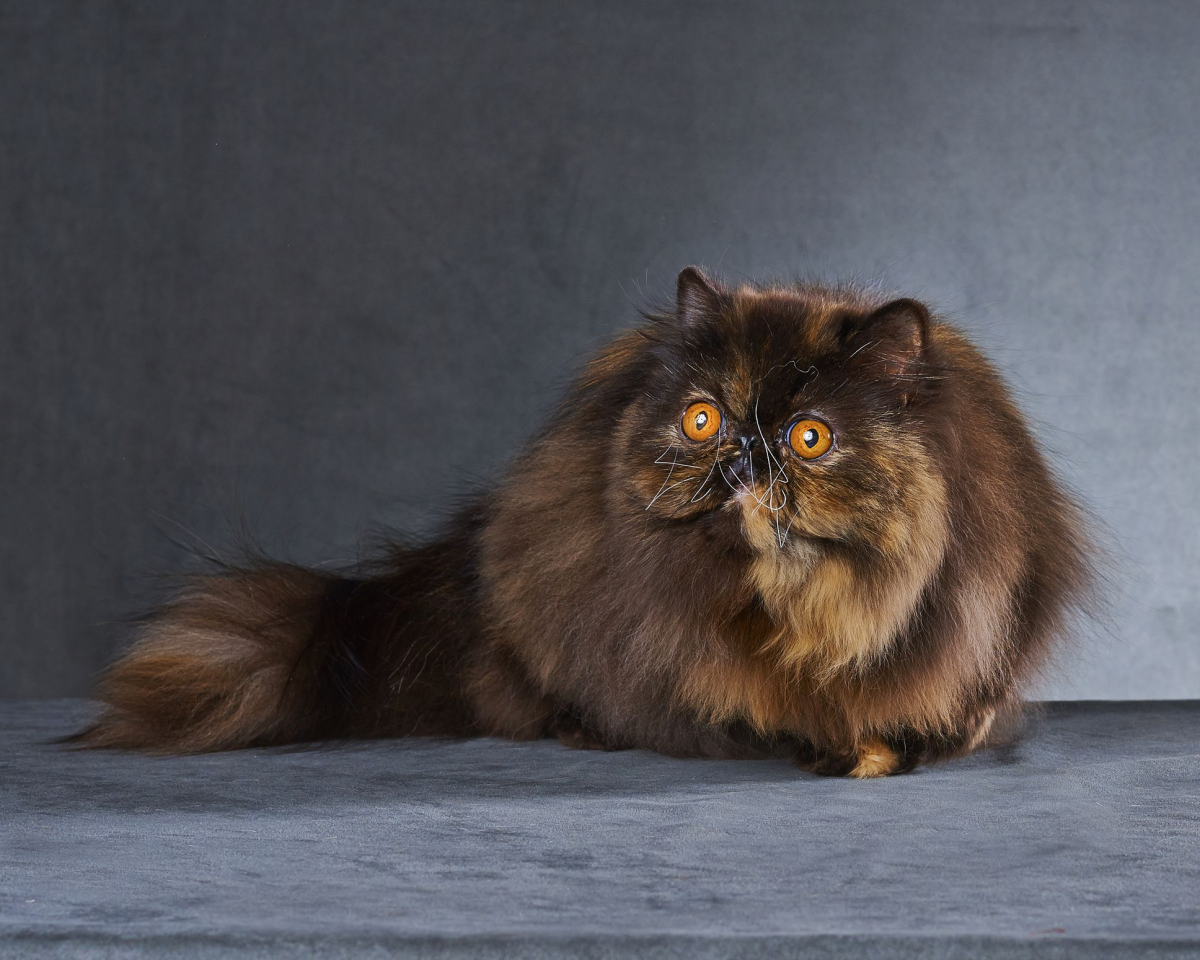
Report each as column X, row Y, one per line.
column 1081, row 841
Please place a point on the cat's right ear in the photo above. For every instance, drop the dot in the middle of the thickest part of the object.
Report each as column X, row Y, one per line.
column 697, row 296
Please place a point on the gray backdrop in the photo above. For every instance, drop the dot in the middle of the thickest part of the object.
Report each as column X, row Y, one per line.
column 307, row 268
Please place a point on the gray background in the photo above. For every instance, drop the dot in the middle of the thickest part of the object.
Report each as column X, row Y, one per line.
column 306, row 268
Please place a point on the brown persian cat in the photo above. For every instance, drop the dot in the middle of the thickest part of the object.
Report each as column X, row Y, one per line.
column 782, row 520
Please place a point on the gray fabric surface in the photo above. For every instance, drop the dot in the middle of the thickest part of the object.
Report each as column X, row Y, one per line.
column 1082, row 841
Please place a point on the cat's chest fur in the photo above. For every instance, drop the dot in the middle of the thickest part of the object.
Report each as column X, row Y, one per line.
column 794, row 661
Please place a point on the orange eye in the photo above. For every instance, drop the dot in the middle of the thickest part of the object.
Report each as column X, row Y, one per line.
column 810, row 438
column 701, row 420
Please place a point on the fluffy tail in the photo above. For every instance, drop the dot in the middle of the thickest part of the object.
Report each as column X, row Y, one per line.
column 281, row 654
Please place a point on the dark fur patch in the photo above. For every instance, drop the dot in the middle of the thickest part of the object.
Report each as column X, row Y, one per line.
column 627, row 587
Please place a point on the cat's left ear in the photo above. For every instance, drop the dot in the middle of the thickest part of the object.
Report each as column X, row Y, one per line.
column 697, row 296
column 894, row 339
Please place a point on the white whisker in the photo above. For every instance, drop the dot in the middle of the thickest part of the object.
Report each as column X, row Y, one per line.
column 668, row 477
column 716, row 456
column 677, row 483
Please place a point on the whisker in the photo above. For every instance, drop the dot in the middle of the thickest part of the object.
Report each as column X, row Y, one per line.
column 677, row 483
column 770, row 486
column 772, row 477
column 767, row 446
column 768, row 503
column 716, row 457
column 869, row 343
column 787, row 531
column 668, row 477
column 675, row 463
column 740, row 486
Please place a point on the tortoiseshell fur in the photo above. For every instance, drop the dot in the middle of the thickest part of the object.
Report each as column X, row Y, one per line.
column 625, row 587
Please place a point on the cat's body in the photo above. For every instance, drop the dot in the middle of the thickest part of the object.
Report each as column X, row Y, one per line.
column 771, row 521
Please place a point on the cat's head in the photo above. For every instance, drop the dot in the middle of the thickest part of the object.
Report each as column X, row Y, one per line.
column 786, row 420
column 829, row 457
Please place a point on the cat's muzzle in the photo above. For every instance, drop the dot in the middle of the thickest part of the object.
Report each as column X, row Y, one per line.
column 744, row 467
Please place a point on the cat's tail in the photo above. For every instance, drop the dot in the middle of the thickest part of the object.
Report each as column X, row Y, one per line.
column 276, row 654
column 233, row 660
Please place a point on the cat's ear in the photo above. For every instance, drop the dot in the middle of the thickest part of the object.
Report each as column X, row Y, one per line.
column 697, row 296
column 893, row 339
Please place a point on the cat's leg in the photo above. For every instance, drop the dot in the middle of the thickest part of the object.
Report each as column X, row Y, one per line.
column 884, row 756
column 505, row 701
column 870, row 758
column 976, row 730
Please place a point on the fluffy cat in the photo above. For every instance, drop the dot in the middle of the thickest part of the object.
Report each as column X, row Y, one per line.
column 780, row 520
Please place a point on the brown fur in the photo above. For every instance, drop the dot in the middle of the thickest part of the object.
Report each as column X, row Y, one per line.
column 627, row 587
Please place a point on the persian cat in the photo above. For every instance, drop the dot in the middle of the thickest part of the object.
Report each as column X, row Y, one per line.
column 771, row 520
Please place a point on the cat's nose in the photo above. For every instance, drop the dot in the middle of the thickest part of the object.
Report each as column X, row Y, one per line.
column 743, row 467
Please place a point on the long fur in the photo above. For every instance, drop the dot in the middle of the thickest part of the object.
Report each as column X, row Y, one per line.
column 625, row 586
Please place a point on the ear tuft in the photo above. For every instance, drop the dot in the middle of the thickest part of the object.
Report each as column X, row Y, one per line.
column 697, row 295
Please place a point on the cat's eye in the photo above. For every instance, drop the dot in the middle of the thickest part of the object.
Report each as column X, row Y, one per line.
column 810, row 438
column 701, row 420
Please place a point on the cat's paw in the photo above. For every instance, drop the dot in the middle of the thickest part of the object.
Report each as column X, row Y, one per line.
column 870, row 759
column 875, row 759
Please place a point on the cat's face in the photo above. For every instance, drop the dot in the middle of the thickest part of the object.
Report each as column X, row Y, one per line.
column 781, row 421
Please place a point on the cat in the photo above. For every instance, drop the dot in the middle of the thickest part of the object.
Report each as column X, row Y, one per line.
column 776, row 520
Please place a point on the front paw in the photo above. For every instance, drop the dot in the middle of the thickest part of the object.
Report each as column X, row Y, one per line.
column 872, row 758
